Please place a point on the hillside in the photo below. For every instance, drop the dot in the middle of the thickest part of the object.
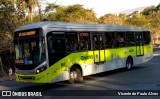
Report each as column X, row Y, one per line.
column 129, row 11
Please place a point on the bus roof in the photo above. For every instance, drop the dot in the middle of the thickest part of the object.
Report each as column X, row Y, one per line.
column 64, row 26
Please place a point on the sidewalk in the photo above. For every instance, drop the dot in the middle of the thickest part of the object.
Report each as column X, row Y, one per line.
column 5, row 78
column 156, row 53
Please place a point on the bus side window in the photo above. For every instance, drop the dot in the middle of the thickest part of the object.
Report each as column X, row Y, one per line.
column 130, row 39
column 70, row 46
column 84, row 43
column 147, row 39
column 110, row 41
column 72, row 42
column 121, row 41
column 95, row 43
column 50, row 44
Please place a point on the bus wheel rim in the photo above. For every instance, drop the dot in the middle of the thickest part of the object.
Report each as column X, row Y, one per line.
column 73, row 75
column 129, row 65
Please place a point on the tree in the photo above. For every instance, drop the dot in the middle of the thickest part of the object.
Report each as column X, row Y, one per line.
column 158, row 6
column 51, row 7
column 137, row 19
column 111, row 19
column 123, row 16
column 149, row 11
column 8, row 21
column 26, row 6
column 148, row 18
column 74, row 13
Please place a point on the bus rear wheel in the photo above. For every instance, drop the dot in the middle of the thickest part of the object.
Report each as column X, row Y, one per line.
column 75, row 75
column 129, row 64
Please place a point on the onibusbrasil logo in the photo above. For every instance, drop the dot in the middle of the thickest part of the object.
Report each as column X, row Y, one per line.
column 16, row 93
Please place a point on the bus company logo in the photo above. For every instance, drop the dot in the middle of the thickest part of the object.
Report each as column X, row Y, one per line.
column 86, row 57
column 6, row 93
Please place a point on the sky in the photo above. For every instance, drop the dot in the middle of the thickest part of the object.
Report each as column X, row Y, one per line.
column 102, row 7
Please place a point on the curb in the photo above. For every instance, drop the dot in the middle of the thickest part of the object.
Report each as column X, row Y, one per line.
column 156, row 54
column 6, row 78
column 3, row 78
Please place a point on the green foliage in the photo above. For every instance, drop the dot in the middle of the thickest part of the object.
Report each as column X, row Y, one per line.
column 36, row 18
column 51, row 7
column 111, row 19
column 9, row 22
column 12, row 17
column 7, row 16
column 137, row 19
column 150, row 11
column 74, row 13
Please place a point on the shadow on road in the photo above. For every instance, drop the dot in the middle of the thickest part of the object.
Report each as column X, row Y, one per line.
column 44, row 87
column 155, row 59
column 112, row 72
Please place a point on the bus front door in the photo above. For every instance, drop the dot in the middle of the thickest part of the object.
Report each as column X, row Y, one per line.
column 139, row 44
column 98, row 48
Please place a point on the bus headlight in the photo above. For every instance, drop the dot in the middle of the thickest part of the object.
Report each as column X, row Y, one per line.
column 37, row 71
column 44, row 67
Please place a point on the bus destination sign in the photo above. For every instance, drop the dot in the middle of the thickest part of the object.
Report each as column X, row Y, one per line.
column 28, row 33
column 84, row 34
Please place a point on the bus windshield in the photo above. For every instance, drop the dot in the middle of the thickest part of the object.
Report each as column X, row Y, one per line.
column 29, row 51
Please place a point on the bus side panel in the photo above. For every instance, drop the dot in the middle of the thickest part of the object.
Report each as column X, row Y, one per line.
column 60, row 70
column 86, row 61
column 116, row 58
column 96, row 56
column 102, row 56
column 56, row 70
column 148, row 49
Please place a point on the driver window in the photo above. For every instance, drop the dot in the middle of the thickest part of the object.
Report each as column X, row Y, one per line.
column 50, row 44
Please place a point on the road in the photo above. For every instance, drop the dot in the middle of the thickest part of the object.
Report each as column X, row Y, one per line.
column 142, row 77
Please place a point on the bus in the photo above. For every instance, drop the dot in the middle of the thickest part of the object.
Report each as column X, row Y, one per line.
column 48, row 52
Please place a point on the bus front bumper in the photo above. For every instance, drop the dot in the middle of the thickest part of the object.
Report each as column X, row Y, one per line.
column 34, row 78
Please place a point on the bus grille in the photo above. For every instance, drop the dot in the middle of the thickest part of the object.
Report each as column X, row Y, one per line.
column 26, row 77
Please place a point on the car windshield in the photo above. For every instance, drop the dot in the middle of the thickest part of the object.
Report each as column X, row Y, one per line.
column 29, row 51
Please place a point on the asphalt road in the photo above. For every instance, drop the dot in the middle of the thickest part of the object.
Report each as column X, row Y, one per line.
column 142, row 78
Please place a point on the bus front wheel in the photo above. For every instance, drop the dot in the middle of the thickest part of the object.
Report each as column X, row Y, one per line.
column 75, row 75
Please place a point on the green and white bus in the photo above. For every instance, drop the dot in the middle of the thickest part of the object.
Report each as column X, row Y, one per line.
column 48, row 52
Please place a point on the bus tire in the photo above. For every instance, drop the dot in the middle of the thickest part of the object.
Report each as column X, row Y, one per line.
column 75, row 75
column 129, row 64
